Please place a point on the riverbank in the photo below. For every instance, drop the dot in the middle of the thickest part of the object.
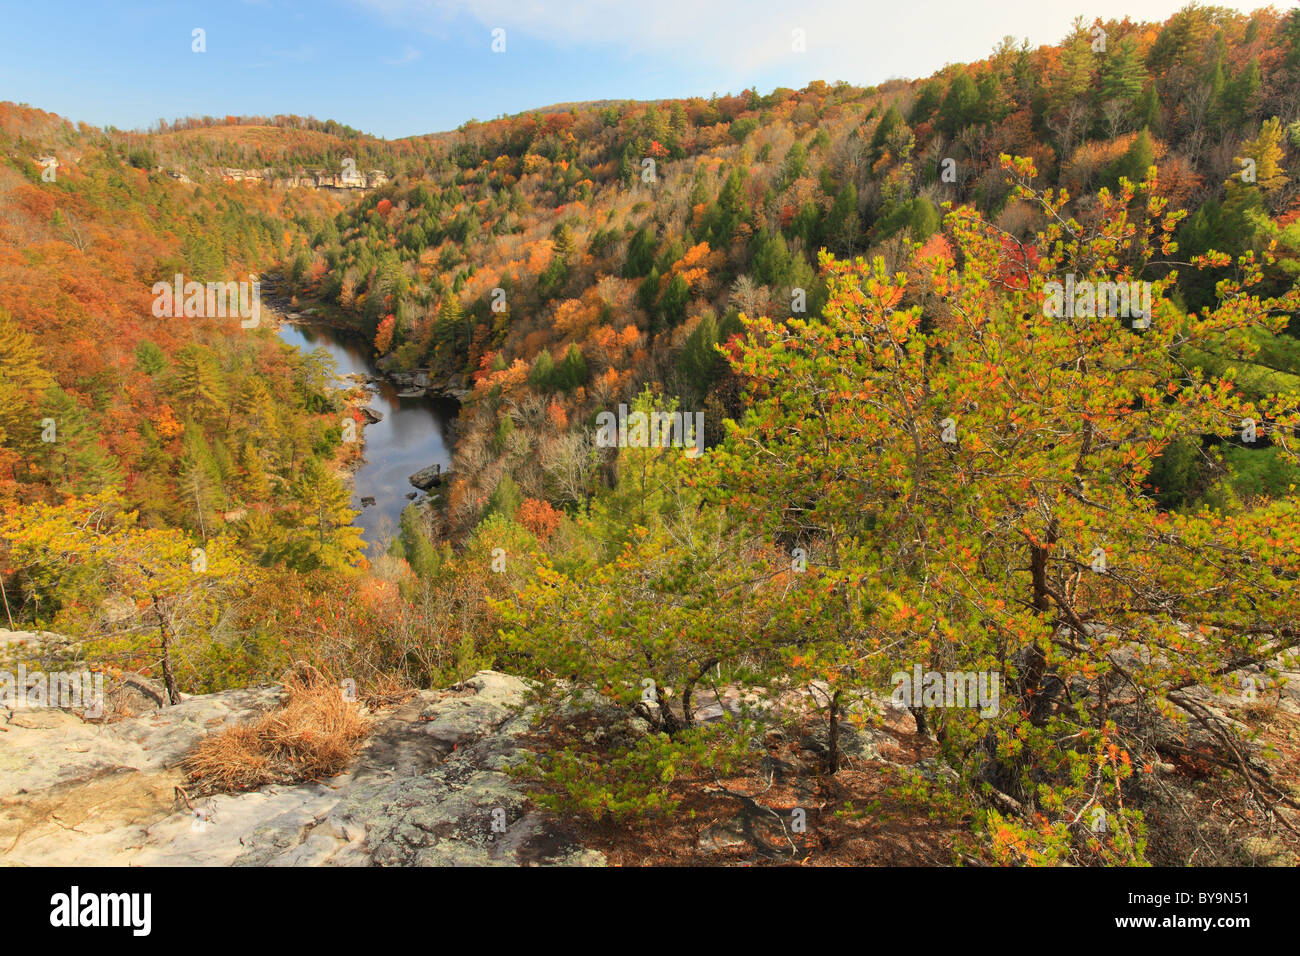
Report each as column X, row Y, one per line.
column 410, row 383
column 398, row 434
column 356, row 396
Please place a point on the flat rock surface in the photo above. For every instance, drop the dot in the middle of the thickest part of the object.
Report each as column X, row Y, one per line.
column 428, row 789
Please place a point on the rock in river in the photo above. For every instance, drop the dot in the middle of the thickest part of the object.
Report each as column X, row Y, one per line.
column 430, row 477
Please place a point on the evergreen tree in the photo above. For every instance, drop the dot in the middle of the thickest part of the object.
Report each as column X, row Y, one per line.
column 842, row 224
column 890, row 125
column 200, row 480
column 450, row 331
column 1265, row 153
column 1291, row 41
column 416, row 545
column 562, row 236
column 699, row 360
column 1075, row 77
column 22, row 377
column 640, row 254
column 1137, row 159
column 927, row 101
column 255, row 484
column 647, row 293
column 1121, row 74
column 257, row 410
column 199, row 382
column 958, row 108
column 795, row 160
column 542, row 374
column 320, row 530
column 505, row 498
column 572, row 372
column 1214, row 83
column 673, row 251
column 772, row 259
column 149, row 358
column 672, row 303
column 74, row 462
column 1241, row 97
column 731, row 209
column 1148, row 107
column 553, row 277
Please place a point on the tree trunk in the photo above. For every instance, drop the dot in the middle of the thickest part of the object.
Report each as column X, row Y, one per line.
column 688, row 691
column 1031, row 683
column 169, row 679
column 922, row 727
column 667, row 720
column 833, row 736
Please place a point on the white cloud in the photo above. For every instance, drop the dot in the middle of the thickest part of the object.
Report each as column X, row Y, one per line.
column 855, row 41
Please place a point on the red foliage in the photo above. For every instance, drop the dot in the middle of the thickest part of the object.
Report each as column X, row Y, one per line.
column 1016, row 264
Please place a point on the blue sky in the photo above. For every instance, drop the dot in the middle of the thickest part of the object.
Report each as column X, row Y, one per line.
column 402, row 67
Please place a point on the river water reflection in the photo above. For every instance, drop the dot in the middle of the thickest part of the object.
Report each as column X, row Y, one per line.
column 412, row 435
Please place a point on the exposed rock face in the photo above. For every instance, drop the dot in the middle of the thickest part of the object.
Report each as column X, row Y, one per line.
column 429, row 789
column 131, row 695
column 418, row 382
column 306, row 179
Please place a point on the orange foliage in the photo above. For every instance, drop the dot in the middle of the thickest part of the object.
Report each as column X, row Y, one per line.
column 557, row 416
column 384, row 335
column 166, row 425
column 539, row 517
column 575, row 316
column 507, row 378
column 937, row 247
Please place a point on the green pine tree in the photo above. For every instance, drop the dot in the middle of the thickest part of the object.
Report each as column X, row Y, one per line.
column 321, row 533
column 68, row 452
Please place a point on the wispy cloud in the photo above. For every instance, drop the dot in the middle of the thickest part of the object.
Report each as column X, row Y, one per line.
column 857, row 41
column 409, row 54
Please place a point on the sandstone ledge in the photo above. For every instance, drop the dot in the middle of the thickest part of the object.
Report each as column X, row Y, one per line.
column 429, row 789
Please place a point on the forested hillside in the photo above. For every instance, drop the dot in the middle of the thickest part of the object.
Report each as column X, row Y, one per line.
column 600, row 249
column 918, row 452
column 177, row 433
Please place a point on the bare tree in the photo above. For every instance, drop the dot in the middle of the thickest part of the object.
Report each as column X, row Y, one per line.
column 750, row 297
column 567, row 462
column 1116, row 113
column 1067, row 124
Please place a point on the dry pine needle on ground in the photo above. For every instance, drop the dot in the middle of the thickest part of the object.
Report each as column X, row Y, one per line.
column 315, row 735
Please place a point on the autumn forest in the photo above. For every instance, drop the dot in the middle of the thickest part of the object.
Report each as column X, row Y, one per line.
column 771, row 407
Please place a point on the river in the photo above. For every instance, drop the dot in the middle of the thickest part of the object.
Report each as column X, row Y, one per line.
column 413, row 433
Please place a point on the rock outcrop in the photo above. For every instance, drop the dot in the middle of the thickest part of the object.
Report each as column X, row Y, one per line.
column 308, row 179
column 430, row 477
column 428, row 789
